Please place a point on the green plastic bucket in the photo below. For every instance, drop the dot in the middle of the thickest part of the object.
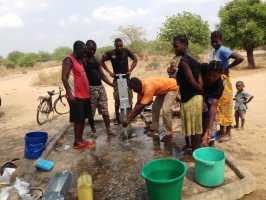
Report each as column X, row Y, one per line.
column 164, row 178
column 209, row 167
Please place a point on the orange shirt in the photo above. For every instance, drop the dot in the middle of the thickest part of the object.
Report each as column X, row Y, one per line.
column 155, row 87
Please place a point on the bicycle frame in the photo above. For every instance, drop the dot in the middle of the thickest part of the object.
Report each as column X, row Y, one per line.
column 47, row 105
column 49, row 99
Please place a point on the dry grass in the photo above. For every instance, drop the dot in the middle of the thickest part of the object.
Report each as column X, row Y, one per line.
column 148, row 66
column 48, row 78
column 23, row 70
column 152, row 66
column 6, row 72
column 242, row 69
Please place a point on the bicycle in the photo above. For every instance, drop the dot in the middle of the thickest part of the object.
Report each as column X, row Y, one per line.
column 47, row 106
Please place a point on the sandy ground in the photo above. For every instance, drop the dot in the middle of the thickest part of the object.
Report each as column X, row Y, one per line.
column 248, row 146
column 18, row 112
column 18, row 116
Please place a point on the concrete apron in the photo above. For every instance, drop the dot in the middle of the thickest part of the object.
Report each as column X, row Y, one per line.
column 115, row 166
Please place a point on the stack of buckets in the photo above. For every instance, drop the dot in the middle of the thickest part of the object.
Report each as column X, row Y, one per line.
column 35, row 143
column 164, row 177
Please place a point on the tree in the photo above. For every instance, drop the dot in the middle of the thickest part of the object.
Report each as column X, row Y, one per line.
column 186, row 23
column 158, row 47
column 133, row 36
column 243, row 24
column 60, row 53
column 14, row 57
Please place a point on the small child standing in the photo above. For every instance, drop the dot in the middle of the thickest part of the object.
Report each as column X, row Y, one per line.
column 242, row 98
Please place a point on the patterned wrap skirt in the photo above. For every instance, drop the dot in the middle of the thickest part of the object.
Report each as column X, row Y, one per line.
column 191, row 116
column 224, row 115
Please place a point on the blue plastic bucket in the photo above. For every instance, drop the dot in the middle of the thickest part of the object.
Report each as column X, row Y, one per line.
column 35, row 143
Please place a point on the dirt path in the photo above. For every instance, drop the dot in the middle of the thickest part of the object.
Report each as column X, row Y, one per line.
column 248, row 146
column 18, row 112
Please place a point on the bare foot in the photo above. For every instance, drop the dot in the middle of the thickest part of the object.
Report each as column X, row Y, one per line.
column 225, row 139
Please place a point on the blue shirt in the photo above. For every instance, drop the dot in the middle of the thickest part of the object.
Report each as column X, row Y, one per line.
column 222, row 54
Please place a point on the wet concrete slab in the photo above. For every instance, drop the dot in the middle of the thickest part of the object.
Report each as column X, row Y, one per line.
column 115, row 165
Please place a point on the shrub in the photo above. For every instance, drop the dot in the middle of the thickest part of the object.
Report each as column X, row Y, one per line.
column 60, row 53
column 44, row 56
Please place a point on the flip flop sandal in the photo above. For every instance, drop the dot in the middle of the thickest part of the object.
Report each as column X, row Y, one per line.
column 81, row 146
column 9, row 164
column 90, row 144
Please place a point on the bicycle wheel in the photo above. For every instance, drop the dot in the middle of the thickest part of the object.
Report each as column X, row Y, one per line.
column 43, row 112
column 61, row 105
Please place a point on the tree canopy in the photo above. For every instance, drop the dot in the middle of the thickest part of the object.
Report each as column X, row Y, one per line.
column 193, row 26
column 131, row 34
column 243, row 24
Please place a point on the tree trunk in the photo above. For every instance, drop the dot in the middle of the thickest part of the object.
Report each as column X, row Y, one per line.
column 250, row 56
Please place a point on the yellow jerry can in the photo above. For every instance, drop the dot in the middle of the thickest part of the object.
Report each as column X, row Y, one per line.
column 85, row 191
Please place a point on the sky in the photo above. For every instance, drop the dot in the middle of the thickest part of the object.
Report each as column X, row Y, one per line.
column 34, row 25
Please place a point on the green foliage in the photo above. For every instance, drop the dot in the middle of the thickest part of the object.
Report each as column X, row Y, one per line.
column 195, row 49
column 28, row 60
column 20, row 59
column 196, row 29
column 1, row 60
column 243, row 23
column 131, row 34
column 44, row 56
column 158, row 47
column 100, row 51
column 60, row 53
column 14, row 58
column 9, row 64
column 137, row 47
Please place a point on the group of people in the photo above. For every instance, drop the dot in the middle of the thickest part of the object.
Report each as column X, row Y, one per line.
column 82, row 76
column 204, row 91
